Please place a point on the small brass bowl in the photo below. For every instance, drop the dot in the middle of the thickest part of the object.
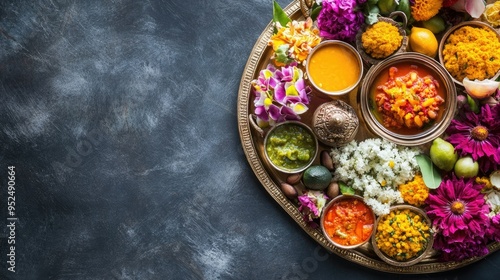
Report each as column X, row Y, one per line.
column 450, row 31
column 412, row 137
column 421, row 255
column 401, row 29
column 348, row 199
column 303, row 167
column 348, row 49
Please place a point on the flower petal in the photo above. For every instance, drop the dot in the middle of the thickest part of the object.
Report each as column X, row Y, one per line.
column 291, row 90
column 274, row 112
column 475, row 8
column 299, row 108
column 280, row 94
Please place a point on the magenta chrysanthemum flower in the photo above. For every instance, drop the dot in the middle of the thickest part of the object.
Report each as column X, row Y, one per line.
column 458, row 208
column 460, row 215
column 340, row 19
column 493, row 232
column 472, row 247
column 478, row 135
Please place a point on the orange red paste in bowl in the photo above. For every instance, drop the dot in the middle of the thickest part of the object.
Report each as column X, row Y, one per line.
column 348, row 222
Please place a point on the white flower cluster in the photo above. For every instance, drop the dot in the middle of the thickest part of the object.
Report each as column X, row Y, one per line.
column 493, row 200
column 376, row 167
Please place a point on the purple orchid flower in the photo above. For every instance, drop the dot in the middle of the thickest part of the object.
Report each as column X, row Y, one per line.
column 280, row 94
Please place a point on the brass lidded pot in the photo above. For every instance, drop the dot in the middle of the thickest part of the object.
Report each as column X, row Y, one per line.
column 335, row 123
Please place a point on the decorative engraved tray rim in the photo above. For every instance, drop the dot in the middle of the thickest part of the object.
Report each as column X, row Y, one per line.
column 251, row 70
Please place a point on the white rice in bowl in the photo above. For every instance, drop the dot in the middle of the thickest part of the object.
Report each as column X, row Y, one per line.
column 375, row 167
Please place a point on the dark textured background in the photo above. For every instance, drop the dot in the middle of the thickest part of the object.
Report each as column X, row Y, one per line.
column 120, row 118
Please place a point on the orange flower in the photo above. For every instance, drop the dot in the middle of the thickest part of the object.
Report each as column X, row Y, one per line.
column 294, row 41
column 425, row 9
column 414, row 192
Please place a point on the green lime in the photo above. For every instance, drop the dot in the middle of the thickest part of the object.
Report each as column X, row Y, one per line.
column 443, row 154
column 435, row 24
column 317, row 177
column 466, row 167
column 387, row 6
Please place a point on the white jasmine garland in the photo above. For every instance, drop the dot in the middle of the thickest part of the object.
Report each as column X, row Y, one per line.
column 375, row 167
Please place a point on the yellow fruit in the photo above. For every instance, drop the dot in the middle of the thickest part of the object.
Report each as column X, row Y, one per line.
column 423, row 41
column 480, row 89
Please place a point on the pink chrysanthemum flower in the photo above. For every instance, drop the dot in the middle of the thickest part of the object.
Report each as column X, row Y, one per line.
column 311, row 205
column 478, row 135
column 340, row 19
column 460, row 215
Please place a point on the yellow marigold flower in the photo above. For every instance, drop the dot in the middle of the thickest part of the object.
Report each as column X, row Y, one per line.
column 425, row 9
column 414, row 192
column 294, row 41
column 485, row 181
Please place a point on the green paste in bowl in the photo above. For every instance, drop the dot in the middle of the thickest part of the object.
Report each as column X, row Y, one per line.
column 290, row 146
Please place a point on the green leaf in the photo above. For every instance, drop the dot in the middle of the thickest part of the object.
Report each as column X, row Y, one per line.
column 344, row 189
column 315, row 11
column 279, row 15
column 372, row 15
column 371, row 19
column 430, row 174
column 281, row 54
column 405, row 7
column 472, row 104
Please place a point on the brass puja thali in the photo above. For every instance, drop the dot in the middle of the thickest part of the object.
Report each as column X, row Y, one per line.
column 321, row 121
